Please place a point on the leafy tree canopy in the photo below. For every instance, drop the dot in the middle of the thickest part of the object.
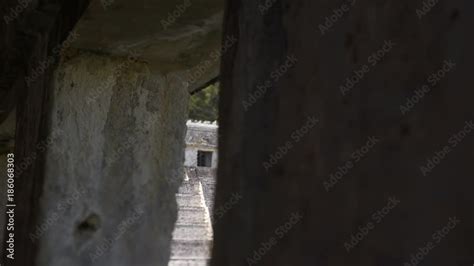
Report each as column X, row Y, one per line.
column 204, row 104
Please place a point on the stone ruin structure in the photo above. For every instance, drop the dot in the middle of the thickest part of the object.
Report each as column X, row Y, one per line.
column 201, row 156
column 201, row 144
column 192, row 235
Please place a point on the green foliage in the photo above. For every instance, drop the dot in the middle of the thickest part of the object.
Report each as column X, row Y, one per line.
column 204, row 104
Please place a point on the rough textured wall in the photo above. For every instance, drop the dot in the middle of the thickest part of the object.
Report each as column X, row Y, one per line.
column 323, row 158
column 113, row 166
column 28, row 41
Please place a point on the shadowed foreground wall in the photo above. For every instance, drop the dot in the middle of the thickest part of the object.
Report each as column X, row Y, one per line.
column 331, row 164
column 28, row 41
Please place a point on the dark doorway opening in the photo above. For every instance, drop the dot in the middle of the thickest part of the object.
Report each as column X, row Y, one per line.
column 204, row 158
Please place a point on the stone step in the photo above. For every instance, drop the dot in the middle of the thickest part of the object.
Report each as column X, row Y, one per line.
column 192, row 232
column 192, row 216
column 184, row 200
column 192, row 236
column 191, row 208
column 189, row 262
column 191, row 249
column 208, row 180
column 188, row 187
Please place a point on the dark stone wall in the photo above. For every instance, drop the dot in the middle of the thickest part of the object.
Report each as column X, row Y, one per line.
column 357, row 174
column 29, row 40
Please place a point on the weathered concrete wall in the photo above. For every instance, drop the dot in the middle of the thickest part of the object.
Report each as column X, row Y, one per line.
column 190, row 156
column 107, row 198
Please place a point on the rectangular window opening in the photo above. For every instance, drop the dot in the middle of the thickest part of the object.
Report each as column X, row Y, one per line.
column 204, row 158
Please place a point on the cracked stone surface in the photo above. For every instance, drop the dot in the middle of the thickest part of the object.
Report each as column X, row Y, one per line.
column 113, row 150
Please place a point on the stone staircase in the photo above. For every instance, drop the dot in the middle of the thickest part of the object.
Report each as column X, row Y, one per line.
column 192, row 236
